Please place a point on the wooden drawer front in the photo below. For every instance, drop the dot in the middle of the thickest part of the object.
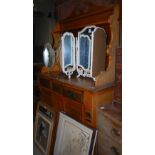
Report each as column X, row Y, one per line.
column 46, row 96
column 57, row 88
column 76, row 111
column 45, row 83
column 110, row 128
column 73, row 109
column 57, row 99
column 73, row 94
column 88, row 117
column 106, row 145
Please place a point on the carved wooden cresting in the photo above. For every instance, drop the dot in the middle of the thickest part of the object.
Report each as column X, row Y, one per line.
column 77, row 8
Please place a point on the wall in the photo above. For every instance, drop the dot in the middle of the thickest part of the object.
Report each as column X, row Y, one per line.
column 43, row 23
column 42, row 30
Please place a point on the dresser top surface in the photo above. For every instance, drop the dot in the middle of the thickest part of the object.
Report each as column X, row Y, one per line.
column 82, row 83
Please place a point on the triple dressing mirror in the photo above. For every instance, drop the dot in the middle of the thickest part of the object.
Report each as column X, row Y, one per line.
column 86, row 53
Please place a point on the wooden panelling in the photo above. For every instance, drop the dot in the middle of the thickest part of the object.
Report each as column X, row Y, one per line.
column 118, row 77
column 95, row 19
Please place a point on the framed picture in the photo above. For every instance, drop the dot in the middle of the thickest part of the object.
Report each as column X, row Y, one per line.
column 73, row 138
column 43, row 128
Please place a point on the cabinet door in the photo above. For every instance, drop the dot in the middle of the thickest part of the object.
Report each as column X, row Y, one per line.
column 53, row 99
column 45, row 96
column 57, row 101
column 73, row 109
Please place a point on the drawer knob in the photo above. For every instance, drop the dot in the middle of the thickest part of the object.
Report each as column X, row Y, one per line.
column 115, row 150
column 115, row 132
column 71, row 95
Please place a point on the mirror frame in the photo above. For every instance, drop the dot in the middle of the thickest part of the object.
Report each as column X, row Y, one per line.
column 80, row 69
column 51, row 53
column 67, row 69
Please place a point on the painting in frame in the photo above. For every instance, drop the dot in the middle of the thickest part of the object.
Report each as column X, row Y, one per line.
column 44, row 128
column 73, row 137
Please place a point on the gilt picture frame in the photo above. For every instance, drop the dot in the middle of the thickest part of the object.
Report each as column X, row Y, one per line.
column 44, row 128
column 73, row 137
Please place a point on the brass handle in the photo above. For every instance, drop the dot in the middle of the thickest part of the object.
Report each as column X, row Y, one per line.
column 88, row 115
column 115, row 150
column 115, row 132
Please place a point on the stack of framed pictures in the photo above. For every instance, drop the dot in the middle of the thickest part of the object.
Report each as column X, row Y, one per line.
column 73, row 138
column 44, row 128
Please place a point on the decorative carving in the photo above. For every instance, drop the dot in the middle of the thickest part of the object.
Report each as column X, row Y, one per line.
column 109, row 75
column 56, row 45
column 77, row 8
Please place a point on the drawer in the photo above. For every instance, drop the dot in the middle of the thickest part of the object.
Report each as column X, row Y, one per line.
column 73, row 94
column 45, row 96
column 106, row 145
column 44, row 83
column 57, row 88
column 88, row 117
column 73, row 109
column 76, row 112
column 109, row 127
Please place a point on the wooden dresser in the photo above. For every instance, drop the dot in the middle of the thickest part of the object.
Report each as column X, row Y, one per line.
column 109, row 127
column 109, row 117
column 77, row 97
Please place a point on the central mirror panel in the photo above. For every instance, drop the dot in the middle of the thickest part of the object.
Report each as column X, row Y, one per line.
column 67, row 50
column 84, row 54
column 68, row 53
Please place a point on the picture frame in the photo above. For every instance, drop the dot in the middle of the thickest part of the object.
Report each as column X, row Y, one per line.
column 44, row 125
column 73, row 137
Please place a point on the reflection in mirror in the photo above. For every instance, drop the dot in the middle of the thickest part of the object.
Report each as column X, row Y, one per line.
column 68, row 54
column 85, row 51
column 48, row 55
column 67, row 50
